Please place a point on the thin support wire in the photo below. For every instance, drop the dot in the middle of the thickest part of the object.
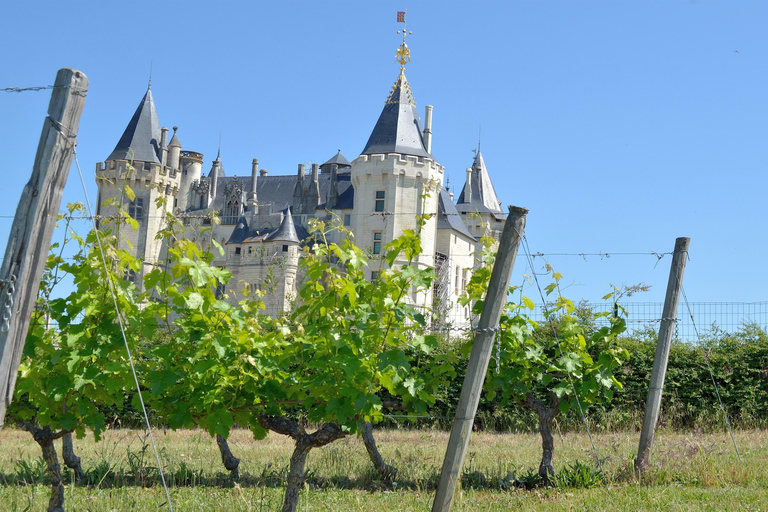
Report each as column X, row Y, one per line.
column 712, row 377
column 125, row 339
column 570, row 378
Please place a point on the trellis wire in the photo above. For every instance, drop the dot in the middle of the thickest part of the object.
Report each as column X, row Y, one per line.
column 125, row 339
column 529, row 259
column 714, row 384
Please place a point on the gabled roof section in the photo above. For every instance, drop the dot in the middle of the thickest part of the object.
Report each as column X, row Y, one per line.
column 141, row 139
column 483, row 196
column 448, row 217
column 398, row 129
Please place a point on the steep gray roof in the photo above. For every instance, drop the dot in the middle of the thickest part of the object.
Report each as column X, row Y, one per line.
column 278, row 190
column 398, row 129
column 483, row 197
column 141, row 139
column 287, row 230
column 339, row 160
column 448, row 217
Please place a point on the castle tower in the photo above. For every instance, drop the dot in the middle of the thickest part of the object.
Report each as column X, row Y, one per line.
column 396, row 178
column 136, row 163
column 478, row 203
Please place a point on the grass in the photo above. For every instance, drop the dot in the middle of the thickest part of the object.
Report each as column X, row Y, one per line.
column 694, row 471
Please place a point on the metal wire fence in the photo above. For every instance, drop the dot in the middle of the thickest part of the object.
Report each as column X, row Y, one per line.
column 708, row 317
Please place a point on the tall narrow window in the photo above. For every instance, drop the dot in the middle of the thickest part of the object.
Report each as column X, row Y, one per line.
column 129, row 275
column 136, row 208
column 231, row 212
column 377, row 242
column 379, row 206
column 347, row 219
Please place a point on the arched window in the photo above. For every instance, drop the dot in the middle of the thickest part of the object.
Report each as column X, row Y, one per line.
column 231, row 212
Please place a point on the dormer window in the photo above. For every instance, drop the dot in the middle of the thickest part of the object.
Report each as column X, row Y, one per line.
column 231, row 212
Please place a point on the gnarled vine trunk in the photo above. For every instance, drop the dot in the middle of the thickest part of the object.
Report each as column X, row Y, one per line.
column 546, row 414
column 45, row 438
column 385, row 470
column 230, row 461
column 304, row 442
column 71, row 460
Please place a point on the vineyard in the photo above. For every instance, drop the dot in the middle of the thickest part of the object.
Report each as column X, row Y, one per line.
column 352, row 354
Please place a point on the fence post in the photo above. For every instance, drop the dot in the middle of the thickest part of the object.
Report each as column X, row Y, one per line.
column 660, row 360
column 495, row 300
column 30, row 238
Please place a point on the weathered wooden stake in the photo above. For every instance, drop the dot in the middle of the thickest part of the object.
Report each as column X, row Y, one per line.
column 660, row 360
column 32, row 229
column 495, row 300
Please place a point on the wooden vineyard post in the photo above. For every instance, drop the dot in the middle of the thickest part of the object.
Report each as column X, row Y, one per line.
column 33, row 225
column 495, row 300
column 660, row 360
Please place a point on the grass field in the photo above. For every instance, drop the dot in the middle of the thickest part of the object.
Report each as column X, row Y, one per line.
column 689, row 472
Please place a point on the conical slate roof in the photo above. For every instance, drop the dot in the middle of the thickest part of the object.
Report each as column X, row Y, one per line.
column 483, row 197
column 339, row 160
column 141, row 139
column 287, row 230
column 398, row 129
column 240, row 232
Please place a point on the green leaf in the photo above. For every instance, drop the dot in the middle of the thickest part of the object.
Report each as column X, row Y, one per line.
column 194, row 300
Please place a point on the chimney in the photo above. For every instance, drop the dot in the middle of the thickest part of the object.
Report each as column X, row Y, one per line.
column 314, row 187
column 333, row 193
column 163, row 145
column 298, row 189
column 214, row 178
column 428, row 128
column 252, row 199
column 468, row 187
column 263, row 172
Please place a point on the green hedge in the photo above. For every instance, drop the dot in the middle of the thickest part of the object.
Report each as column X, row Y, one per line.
column 739, row 364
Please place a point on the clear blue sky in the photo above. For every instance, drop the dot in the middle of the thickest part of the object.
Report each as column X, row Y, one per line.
column 621, row 125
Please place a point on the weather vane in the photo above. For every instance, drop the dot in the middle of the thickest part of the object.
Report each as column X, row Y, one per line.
column 403, row 53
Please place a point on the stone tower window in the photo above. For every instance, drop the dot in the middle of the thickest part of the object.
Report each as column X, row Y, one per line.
column 377, row 242
column 379, row 206
column 347, row 219
column 136, row 209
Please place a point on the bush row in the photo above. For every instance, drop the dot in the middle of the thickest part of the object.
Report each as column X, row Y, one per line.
column 739, row 364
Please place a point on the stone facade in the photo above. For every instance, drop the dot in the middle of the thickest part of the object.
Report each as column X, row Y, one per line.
column 264, row 218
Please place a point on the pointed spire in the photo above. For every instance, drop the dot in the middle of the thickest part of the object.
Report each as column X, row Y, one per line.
column 398, row 129
column 287, row 230
column 478, row 193
column 141, row 139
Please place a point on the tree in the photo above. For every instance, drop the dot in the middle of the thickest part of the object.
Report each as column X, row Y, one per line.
column 68, row 371
column 551, row 368
column 348, row 342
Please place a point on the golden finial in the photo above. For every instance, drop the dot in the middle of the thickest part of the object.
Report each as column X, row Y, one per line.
column 403, row 55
